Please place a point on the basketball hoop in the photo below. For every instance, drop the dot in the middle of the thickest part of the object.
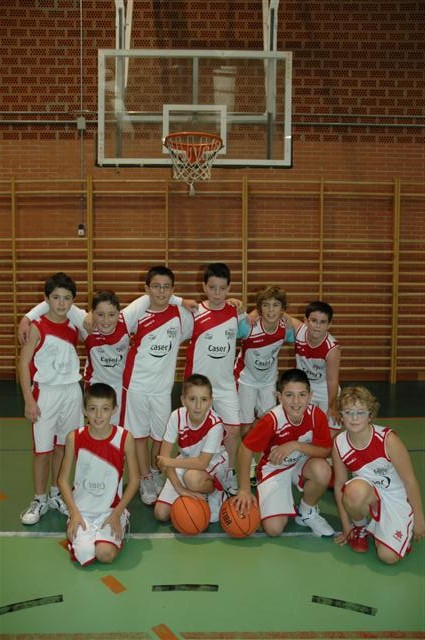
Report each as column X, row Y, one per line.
column 192, row 154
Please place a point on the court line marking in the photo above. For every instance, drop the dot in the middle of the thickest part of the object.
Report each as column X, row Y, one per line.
column 164, row 633
column 154, row 536
column 185, row 587
column 113, row 584
column 345, row 604
column 28, row 604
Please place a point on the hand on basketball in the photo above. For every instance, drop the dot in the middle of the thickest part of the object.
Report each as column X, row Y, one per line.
column 243, row 500
column 192, row 494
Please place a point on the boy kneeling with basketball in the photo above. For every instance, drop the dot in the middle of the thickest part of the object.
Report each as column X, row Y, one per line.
column 97, row 504
column 200, row 467
column 295, row 441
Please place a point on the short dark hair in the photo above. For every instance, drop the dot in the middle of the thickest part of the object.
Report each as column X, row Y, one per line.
column 160, row 270
column 268, row 294
column 106, row 295
column 319, row 305
column 196, row 380
column 217, row 270
column 59, row 279
column 101, row 391
column 291, row 375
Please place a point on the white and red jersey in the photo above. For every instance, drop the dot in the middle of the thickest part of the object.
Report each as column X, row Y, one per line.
column 312, row 360
column 372, row 462
column 151, row 360
column 55, row 360
column 256, row 364
column 212, row 348
column 106, row 355
column 192, row 441
column 275, row 429
column 99, row 469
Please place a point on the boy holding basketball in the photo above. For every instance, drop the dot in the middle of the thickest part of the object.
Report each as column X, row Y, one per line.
column 200, row 467
column 96, row 502
column 295, row 441
column 382, row 498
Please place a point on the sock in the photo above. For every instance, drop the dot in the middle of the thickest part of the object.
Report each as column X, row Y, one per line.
column 155, row 471
column 360, row 523
column 304, row 508
column 54, row 491
column 41, row 497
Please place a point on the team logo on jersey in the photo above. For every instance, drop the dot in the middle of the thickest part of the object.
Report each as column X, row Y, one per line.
column 398, row 535
column 61, row 367
column 160, row 350
column 94, row 488
column 263, row 365
column 110, row 362
column 172, row 333
column 208, row 335
column 230, row 334
column 218, row 351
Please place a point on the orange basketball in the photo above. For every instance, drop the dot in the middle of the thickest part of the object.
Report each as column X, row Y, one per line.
column 234, row 524
column 189, row 515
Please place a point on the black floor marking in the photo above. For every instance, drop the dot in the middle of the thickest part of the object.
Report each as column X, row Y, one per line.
column 343, row 604
column 185, row 587
column 27, row 604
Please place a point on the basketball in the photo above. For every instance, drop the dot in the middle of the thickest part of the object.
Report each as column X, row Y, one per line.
column 189, row 515
column 234, row 524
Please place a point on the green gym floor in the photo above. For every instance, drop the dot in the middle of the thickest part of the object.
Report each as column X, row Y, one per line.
column 168, row 587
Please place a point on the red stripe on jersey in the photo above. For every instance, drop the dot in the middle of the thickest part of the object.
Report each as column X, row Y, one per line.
column 188, row 436
column 355, row 459
column 102, row 448
column 97, row 339
column 62, row 330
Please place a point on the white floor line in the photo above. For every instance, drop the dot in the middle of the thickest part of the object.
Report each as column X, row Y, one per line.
column 148, row 536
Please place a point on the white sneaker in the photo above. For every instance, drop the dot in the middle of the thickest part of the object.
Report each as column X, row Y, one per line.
column 231, row 483
column 58, row 503
column 215, row 500
column 148, row 494
column 317, row 524
column 158, row 479
column 34, row 512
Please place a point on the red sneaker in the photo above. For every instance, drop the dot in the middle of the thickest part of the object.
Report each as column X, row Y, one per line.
column 358, row 539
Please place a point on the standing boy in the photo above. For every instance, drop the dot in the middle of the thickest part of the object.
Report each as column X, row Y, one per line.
column 319, row 354
column 49, row 370
column 200, row 467
column 382, row 499
column 96, row 501
column 212, row 352
column 256, row 365
column 295, row 441
column 148, row 377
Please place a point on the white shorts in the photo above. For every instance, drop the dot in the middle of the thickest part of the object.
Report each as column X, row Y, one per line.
column 320, row 399
column 146, row 415
column 254, row 402
column 226, row 405
column 392, row 524
column 168, row 494
column 82, row 548
column 61, row 409
column 275, row 491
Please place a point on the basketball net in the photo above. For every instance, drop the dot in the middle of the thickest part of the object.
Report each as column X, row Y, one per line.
column 192, row 154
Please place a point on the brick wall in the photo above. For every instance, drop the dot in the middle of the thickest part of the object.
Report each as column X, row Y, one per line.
column 358, row 105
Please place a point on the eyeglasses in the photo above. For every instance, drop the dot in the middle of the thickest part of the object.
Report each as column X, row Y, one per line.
column 161, row 287
column 353, row 413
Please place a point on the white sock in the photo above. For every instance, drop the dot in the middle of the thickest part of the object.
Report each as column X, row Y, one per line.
column 41, row 497
column 305, row 509
column 54, row 491
column 361, row 523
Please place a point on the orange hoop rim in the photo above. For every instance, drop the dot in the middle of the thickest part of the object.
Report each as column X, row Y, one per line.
column 212, row 139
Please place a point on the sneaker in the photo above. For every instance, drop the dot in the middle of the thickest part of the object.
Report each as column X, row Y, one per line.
column 34, row 512
column 215, row 500
column 231, row 483
column 148, row 494
column 158, row 479
column 317, row 524
column 358, row 539
column 58, row 503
